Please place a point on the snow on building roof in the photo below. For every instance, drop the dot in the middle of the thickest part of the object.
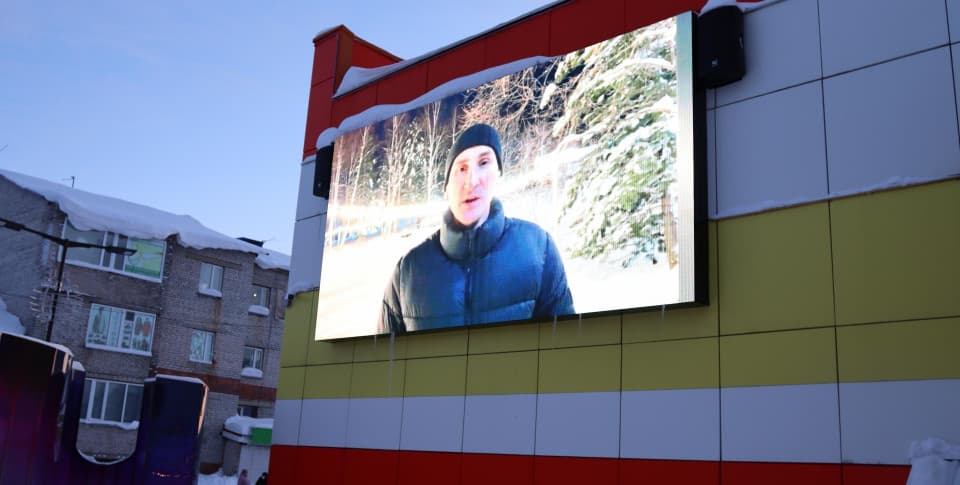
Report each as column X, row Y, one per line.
column 88, row 211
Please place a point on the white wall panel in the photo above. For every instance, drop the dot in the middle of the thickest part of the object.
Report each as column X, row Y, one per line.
column 782, row 49
column 578, row 424
column 953, row 19
column 286, row 422
column 712, row 163
column 374, row 423
column 770, row 151
column 433, row 423
column 500, row 424
column 307, row 252
column 781, row 423
column 855, row 33
column 309, row 205
column 892, row 120
column 879, row 420
column 324, row 422
column 681, row 424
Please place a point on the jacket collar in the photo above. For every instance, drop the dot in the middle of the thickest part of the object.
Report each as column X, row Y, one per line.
column 461, row 243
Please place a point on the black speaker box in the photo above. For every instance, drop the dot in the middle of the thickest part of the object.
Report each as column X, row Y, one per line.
column 322, row 172
column 720, row 58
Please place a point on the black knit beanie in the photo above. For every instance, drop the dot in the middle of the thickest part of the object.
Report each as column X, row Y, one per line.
column 478, row 134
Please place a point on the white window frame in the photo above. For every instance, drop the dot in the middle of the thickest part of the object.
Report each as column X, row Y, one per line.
column 109, row 261
column 87, row 411
column 258, row 356
column 262, row 299
column 208, row 344
column 126, row 315
column 215, row 275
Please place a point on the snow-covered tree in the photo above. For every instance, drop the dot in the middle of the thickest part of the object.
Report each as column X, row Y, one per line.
column 621, row 102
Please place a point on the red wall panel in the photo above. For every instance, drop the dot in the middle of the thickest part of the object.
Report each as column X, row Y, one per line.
column 669, row 471
column 429, row 468
column 462, row 61
column 562, row 470
column 353, row 103
column 483, row 469
column 370, row 467
column 403, row 86
column 324, row 58
column 745, row 473
column 530, row 37
column 580, row 23
column 364, row 55
column 284, row 461
column 318, row 115
column 875, row 474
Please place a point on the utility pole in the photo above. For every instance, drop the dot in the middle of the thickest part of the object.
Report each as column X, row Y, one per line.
column 65, row 244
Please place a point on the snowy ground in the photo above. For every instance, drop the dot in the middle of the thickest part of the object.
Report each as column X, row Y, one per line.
column 216, row 479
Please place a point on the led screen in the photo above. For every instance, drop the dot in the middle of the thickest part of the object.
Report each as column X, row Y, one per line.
column 562, row 189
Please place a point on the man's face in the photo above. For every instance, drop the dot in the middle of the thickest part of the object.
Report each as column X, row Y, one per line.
column 473, row 177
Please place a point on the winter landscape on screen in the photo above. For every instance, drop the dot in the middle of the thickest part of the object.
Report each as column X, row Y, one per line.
column 596, row 150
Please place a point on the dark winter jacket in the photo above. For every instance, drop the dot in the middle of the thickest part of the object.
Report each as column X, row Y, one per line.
column 506, row 269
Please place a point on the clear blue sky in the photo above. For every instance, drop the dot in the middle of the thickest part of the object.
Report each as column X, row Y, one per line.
column 193, row 107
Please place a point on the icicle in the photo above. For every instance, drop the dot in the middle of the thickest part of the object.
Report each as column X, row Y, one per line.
column 579, row 323
column 554, row 325
column 663, row 311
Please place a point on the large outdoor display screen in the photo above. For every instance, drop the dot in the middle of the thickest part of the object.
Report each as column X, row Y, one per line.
column 562, row 189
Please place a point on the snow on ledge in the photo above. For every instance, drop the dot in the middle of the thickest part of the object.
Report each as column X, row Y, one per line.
column 743, row 6
column 57, row 346
column 242, row 425
column 210, row 292
column 259, row 310
column 9, row 323
column 302, row 286
column 102, row 422
column 252, row 372
column 170, row 377
column 77, row 366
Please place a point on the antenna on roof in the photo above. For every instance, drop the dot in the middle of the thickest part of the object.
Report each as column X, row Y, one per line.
column 73, row 180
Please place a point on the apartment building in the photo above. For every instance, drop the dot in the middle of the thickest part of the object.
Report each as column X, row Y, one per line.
column 190, row 302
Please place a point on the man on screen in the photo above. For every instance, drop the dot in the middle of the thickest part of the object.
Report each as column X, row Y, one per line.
column 480, row 266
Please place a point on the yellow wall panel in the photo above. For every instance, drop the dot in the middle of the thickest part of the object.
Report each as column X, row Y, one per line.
column 779, row 358
column 296, row 329
column 775, row 270
column 897, row 254
column 927, row 349
column 578, row 332
column 290, row 383
column 436, row 376
column 510, row 373
column 678, row 364
column 378, row 379
column 504, row 338
column 327, row 381
column 585, row 369
column 436, row 344
column 678, row 323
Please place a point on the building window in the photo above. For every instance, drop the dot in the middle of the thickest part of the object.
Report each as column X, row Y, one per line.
column 253, row 358
column 146, row 262
column 112, row 328
column 211, row 279
column 248, row 411
column 117, row 402
column 201, row 346
column 261, row 296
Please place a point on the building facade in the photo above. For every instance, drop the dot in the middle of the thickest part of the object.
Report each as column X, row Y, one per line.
column 215, row 313
column 827, row 346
